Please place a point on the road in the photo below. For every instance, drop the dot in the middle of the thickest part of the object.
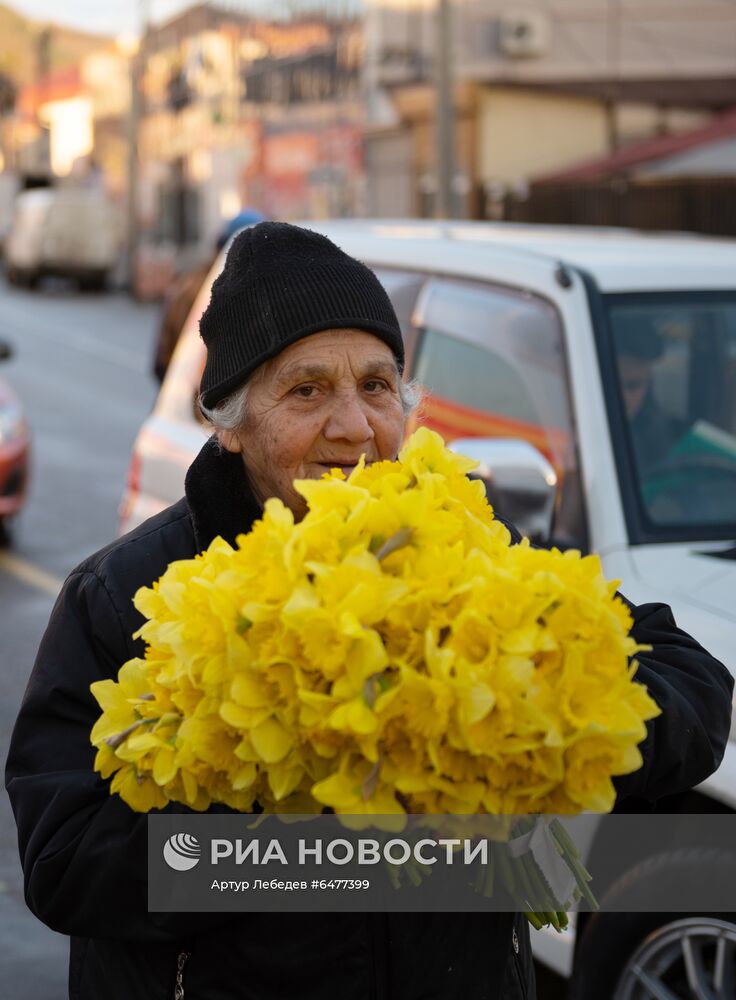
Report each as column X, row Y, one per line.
column 81, row 367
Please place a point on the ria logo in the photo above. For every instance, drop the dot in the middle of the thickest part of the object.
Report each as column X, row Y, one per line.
column 182, row 852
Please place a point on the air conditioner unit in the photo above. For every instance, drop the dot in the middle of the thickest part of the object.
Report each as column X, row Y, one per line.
column 524, row 34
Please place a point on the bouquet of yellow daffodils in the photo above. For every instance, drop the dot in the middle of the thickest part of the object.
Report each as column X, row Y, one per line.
column 392, row 652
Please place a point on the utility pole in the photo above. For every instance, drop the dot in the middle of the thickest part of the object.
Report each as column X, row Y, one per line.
column 137, row 62
column 445, row 204
column 42, row 166
column 613, row 58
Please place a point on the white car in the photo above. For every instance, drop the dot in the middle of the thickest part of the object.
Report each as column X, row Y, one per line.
column 606, row 361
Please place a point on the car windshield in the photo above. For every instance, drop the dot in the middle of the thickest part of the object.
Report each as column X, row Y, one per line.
column 674, row 364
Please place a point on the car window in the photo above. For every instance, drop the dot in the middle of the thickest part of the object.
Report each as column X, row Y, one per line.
column 492, row 361
column 403, row 289
column 676, row 368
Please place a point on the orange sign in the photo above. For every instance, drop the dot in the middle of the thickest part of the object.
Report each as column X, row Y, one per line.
column 294, row 153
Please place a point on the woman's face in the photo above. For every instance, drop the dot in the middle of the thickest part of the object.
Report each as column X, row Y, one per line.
column 323, row 402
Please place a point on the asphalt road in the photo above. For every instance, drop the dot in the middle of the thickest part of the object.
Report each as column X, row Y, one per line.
column 81, row 367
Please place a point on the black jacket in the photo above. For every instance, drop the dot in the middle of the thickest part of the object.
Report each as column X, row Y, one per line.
column 84, row 851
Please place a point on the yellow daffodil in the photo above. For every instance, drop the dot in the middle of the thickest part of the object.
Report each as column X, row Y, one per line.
column 390, row 653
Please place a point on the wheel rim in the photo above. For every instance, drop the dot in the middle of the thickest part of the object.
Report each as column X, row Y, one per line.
column 693, row 959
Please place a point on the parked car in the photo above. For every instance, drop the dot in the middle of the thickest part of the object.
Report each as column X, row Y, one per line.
column 595, row 372
column 64, row 232
column 15, row 446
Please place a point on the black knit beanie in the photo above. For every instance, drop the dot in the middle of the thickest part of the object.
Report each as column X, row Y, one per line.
column 279, row 284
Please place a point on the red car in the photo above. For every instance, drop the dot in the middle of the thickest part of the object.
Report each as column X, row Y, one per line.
column 15, row 442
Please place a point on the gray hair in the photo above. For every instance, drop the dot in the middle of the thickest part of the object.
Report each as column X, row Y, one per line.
column 229, row 414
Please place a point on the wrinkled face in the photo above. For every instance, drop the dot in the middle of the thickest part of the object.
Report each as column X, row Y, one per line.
column 635, row 375
column 323, row 402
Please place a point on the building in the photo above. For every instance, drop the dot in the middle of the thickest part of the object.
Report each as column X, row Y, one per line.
column 53, row 125
column 47, row 122
column 681, row 181
column 105, row 81
column 538, row 87
column 303, row 87
column 248, row 112
column 706, row 151
column 192, row 148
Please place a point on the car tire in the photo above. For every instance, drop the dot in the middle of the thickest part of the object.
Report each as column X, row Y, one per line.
column 618, row 950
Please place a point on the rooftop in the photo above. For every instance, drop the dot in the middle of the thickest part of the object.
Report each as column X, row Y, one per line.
column 639, row 153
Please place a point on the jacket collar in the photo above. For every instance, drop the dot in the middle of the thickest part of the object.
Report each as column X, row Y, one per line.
column 219, row 496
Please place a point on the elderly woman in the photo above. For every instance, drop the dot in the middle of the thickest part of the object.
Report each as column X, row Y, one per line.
column 304, row 373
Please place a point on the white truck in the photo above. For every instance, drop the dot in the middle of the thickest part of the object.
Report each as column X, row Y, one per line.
column 65, row 232
column 606, row 361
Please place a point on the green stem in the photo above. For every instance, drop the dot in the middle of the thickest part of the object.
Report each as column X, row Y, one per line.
column 534, row 920
column 393, row 874
column 504, row 869
column 480, row 879
column 414, row 877
column 524, row 880
column 569, row 852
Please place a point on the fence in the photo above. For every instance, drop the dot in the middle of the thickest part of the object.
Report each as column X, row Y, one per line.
column 694, row 205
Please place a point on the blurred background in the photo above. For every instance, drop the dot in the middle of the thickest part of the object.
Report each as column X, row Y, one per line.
column 567, row 111
column 135, row 137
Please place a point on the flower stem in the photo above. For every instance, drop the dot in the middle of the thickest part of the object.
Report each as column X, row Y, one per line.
column 400, row 540
column 119, row 738
column 568, row 850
